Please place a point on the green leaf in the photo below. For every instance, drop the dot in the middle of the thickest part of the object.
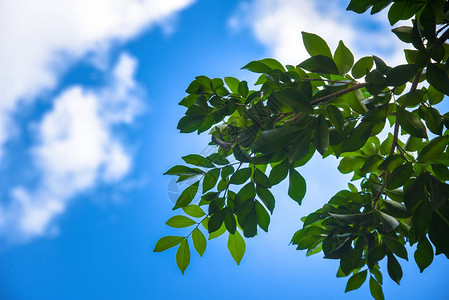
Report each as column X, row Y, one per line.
column 263, row 218
column 439, row 227
column 246, row 192
column 261, row 179
column 438, row 192
column 434, row 121
column 433, row 149
column 218, row 159
column 236, row 246
column 167, row 242
column 180, row 222
column 343, row 58
column 396, row 247
column 199, row 241
column 396, row 209
column 435, row 96
column 187, row 195
column 226, row 171
column 391, row 162
column 336, row 117
column 399, row 176
column 216, row 220
column 190, row 123
column 389, row 223
column 198, row 160
column 320, row 64
column 351, row 218
column 351, row 163
column 411, row 123
column 249, row 221
column 321, row 134
column 210, row 179
column 240, row 176
column 359, row 6
column 404, row 33
column 183, row 256
column 266, row 196
column 354, row 100
column 423, row 253
column 279, row 172
column 243, row 89
column 315, row 45
column 421, row 219
column 376, row 289
column 194, row 211
column 257, row 67
column 362, row 67
column 370, row 164
column 412, row 98
column 394, row 268
column 233, row 84
column 376, row 254
column 358, row 137
column 218, row 233
column 414, row 192
column 413, row 144
column 229, row 220
column 377, row 274
column 183, row 170
column 272, row 140
column 300, row 152
column 438, row 78
column 273, row 64
column 401, row 74
column 356, row 281
column 294, row 98
column 297, row 186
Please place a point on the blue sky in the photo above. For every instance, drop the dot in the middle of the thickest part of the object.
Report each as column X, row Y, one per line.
column 88, row 126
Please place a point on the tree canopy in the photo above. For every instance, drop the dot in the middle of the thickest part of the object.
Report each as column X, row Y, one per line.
column 380, row 121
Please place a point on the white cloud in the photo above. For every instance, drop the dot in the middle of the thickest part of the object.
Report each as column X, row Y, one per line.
column 78, row 147
column 77, row 150
column 41, row 39
column 277, row 24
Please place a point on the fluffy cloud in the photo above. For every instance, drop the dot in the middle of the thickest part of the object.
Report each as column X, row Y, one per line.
column 41, row 39
column 77, row 149
column 277, row 25
column 77, row 146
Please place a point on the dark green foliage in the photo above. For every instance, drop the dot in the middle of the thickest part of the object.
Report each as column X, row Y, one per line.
column 265, row 135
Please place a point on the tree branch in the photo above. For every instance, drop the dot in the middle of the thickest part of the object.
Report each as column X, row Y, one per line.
column 339, row 93
column 440, row 41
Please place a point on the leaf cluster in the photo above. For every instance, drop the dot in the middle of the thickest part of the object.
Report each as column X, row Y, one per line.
column 328, row 105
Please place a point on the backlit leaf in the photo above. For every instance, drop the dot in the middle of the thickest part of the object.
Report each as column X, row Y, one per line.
column 356, row 281
column 167, row 242
column 362, row 67
column 199, row 241
column 315, row 45
column 236, row 246
column 343, row 58
column 183, row 256
column 180, row 222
